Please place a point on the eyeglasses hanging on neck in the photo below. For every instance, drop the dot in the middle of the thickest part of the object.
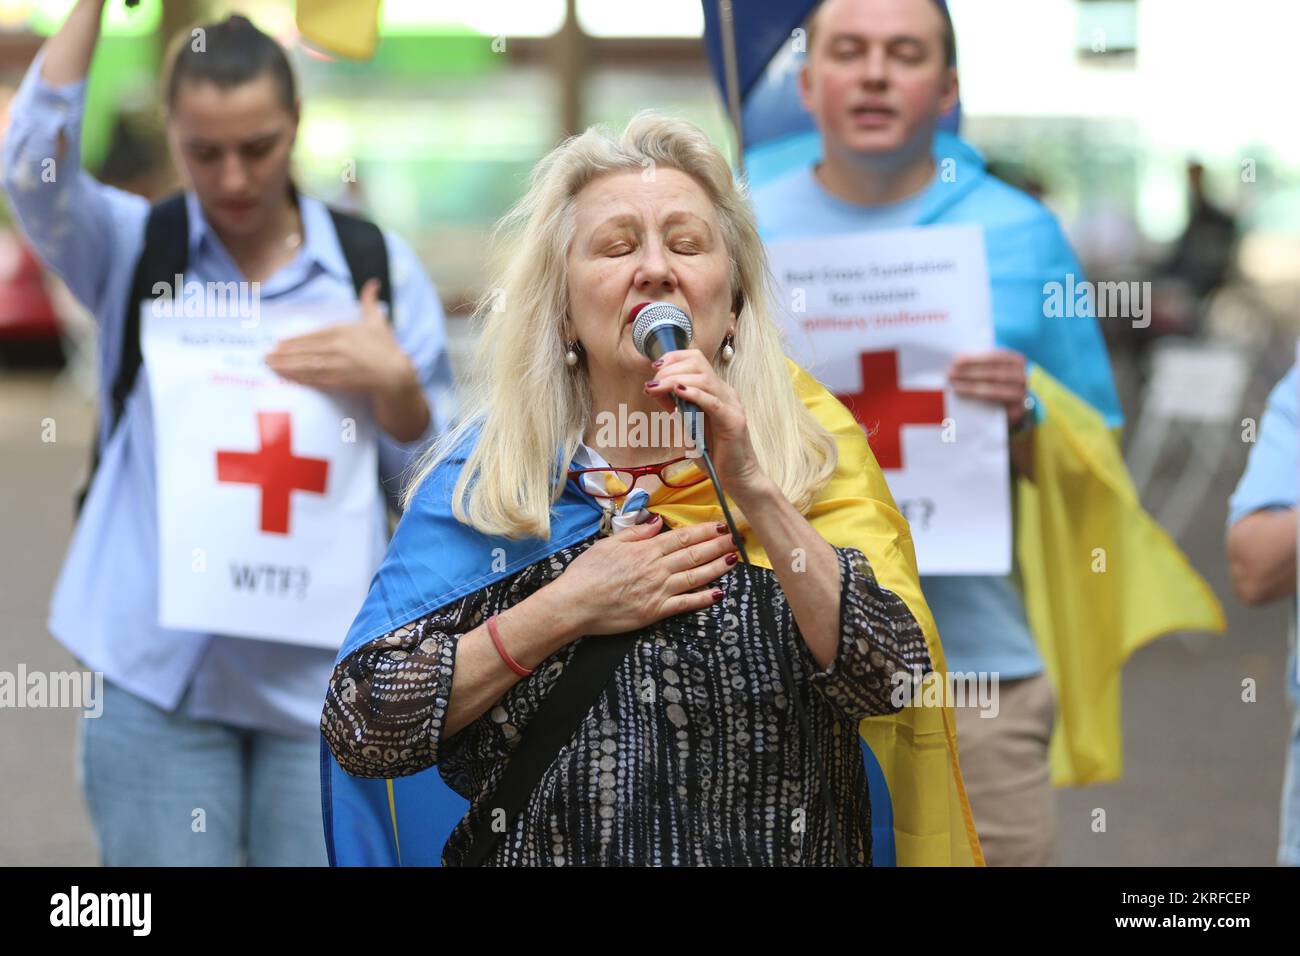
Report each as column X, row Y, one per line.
column 617, row 482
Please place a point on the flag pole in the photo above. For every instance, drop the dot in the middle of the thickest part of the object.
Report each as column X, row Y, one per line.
column 731, row 74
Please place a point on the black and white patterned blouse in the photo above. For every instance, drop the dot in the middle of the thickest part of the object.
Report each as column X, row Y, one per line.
column 692, row 755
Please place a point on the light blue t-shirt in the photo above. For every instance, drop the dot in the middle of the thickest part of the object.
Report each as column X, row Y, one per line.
column 981, row 619
column 1273, row 468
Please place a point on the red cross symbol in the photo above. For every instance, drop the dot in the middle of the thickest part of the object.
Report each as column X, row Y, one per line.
column 882, row 405
column 275, row 469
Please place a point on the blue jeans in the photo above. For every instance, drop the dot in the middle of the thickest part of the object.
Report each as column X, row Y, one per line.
column 1288, row 851
column 164, row 789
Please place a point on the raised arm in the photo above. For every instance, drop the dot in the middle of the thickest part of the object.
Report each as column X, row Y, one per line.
column 77, row 225
column 68, row 52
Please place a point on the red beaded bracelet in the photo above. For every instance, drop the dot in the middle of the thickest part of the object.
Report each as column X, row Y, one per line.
column 501, row 649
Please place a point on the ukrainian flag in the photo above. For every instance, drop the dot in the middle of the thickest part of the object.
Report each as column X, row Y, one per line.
column 919, row 807
column 1100, row 577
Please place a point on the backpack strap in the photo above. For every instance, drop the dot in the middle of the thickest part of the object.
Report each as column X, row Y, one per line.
column 366, row 254
column 165, row 256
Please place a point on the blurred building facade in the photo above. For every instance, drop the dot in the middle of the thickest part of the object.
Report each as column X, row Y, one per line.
column 1098, row 104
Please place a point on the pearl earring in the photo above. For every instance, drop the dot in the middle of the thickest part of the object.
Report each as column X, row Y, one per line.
column 571, row 356
column 728, row 353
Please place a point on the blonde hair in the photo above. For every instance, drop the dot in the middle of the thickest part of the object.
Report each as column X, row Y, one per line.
column 514, row 473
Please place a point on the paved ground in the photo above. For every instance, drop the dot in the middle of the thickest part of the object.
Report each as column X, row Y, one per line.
column 1203, row 769
column 42, row 814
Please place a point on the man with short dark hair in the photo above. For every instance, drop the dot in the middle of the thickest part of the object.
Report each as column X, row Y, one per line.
column 948, row 35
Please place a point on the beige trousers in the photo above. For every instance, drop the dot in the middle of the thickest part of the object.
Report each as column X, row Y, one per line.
column 1004, row 763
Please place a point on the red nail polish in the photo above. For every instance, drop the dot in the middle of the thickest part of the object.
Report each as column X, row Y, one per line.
column 720, row 527
column 651, row 384
column 681, row 388
column 732, row 558
column 657, row 363
column 717, row 595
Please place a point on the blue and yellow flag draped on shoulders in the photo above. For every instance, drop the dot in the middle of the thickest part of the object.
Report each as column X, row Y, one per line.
column 920, row 815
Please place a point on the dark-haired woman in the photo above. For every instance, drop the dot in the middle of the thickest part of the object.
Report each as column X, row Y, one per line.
column 206, row 750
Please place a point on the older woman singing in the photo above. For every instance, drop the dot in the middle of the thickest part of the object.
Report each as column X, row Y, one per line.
column 605, row 692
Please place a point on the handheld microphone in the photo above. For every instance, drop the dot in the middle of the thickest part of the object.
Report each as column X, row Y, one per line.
column 662, row 327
